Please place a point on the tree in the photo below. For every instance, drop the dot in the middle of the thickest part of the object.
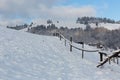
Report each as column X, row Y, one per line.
column 78, row 20
column 88, row 27
column 31, row 24
column 49, row 21
column 96, row 24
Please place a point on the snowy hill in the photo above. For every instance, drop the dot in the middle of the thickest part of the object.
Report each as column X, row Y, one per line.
column 73, row 24
column 109, row 26
column 25, row 56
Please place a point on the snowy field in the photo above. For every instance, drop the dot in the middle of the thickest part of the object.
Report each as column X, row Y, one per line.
column 25, row 56
column 73, row 24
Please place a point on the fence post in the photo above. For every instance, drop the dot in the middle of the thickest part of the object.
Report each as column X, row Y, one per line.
column 65, row 42
column 60, row 37
column 82, row 50
column 55, row 34
column 117, row 60
column 109, row 61
column 101, row 56
column 71, row 44
column 113, row 59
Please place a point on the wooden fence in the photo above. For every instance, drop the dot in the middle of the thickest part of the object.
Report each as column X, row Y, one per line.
column 101, row 54
column 73, row 46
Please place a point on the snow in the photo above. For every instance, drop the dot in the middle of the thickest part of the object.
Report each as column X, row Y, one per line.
column 26, row 56
column 110, row 26
column 72, row 24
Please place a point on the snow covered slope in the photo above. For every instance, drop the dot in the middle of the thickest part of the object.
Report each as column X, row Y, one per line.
column 73, row 24
column 25, row 56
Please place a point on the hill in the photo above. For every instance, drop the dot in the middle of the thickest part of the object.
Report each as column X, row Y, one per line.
column 25, row 56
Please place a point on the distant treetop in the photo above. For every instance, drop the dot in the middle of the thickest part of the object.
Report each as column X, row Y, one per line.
column 86, row 20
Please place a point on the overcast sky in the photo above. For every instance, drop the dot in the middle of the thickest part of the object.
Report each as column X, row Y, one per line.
column 14, row 12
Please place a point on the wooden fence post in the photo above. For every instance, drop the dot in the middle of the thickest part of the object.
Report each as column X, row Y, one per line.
column 60, row 37
column 117, row 60
column 82, row 50
column 65, row 42
column 109, row 60
column 71, row 44
column 82, row 43
column 55, row 34
column 101, row 56
column 113, row 59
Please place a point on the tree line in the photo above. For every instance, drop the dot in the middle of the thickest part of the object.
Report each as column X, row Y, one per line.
column 86, row 20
